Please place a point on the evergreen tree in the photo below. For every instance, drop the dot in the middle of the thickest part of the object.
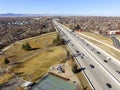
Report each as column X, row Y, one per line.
column 6, row 61
column 74, row 69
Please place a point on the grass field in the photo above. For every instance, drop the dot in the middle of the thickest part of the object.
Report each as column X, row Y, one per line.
column 99, row 37
column 109, row 50
column 15, row 53
column 38, row 65
column 35, row 63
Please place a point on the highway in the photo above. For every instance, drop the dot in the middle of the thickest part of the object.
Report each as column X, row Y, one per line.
column 97, row 67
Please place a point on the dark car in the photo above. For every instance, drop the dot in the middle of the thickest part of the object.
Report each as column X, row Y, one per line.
column 77, row 51
column 98, row 52
column 82, row 57
column 83, row 54
column 87, row 44
column 109, row 85
column 118, row 72
column 92, row 66
column 105, row 61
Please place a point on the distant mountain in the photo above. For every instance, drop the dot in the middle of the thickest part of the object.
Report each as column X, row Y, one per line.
column 11, row 14
column 24, row 15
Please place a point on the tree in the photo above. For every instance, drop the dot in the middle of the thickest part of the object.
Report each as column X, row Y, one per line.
column 68, row 54
column 58, row 41
column 58, row 37
column 26, row 47
column 6, row 61
column 74, row 69
column 77, row 27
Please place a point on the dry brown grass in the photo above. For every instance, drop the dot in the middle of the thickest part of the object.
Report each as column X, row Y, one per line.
column 15, row 53
column 4, row 78
column 38, row 65
column 99, row 37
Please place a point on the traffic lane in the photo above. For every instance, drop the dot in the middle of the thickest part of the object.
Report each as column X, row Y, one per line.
column 94, row 73
column 103, row 79
column 104, row 53
column 86, row 70
column 107, row 63
column 111, row 67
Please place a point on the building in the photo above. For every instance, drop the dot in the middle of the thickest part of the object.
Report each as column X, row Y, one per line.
column 113, row 32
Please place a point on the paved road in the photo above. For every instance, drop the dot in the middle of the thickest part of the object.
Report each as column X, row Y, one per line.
column 115, row 42
column 13, row 84
column 100, row 72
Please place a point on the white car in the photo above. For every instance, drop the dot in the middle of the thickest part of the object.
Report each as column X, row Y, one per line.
column 108, row 58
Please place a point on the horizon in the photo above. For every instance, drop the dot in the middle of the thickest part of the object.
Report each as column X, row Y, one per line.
column 62, row 7
column 37, row 14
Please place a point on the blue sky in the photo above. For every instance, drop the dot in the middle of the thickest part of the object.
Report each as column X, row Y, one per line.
column 63, row 7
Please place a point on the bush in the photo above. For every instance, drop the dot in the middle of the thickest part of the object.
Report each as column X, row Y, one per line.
column 6, row 61
column 26, row 47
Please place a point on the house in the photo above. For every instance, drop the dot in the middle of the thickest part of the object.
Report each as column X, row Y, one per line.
column 113, row 32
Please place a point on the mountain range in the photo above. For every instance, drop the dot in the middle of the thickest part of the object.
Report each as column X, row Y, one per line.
column 24, row 15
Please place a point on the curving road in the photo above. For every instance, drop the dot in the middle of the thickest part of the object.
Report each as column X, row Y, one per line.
column 115, row 42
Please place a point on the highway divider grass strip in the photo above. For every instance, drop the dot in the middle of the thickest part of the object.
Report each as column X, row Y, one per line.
column 99, row 37
column 109, row 50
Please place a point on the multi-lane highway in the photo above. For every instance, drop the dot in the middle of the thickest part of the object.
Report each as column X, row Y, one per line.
column 101, row 71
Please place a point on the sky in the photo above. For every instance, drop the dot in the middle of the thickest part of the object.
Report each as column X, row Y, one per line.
column 62, row 7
